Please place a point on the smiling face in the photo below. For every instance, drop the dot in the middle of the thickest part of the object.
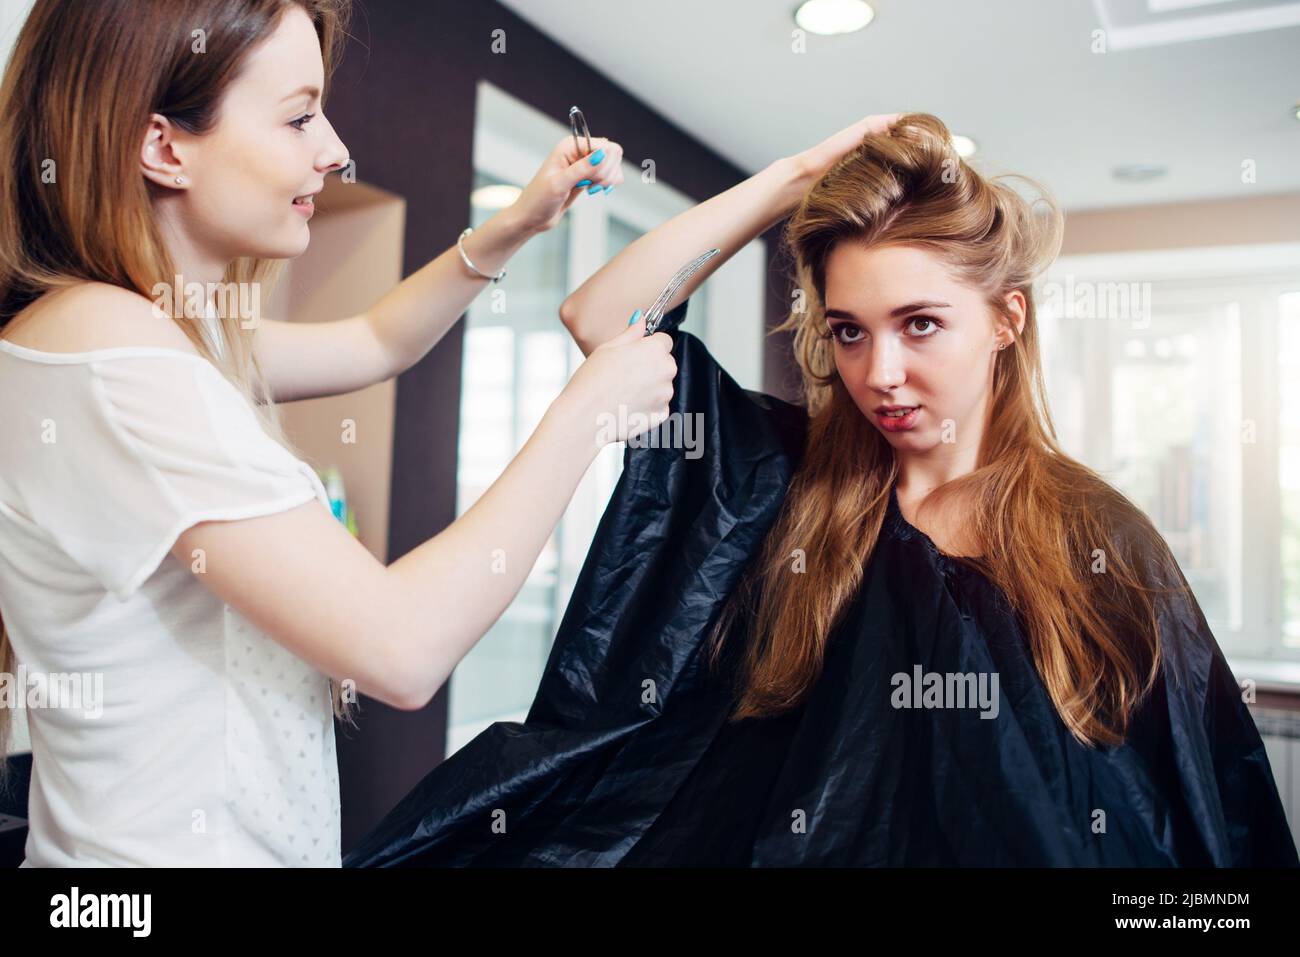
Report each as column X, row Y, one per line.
column 906, row 333
column 271, row 144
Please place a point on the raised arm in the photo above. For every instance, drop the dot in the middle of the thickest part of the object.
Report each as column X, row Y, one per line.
column 398, row 631
column 599, row 309
column 303, row 360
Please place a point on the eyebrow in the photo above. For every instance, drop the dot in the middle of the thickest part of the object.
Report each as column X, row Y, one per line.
column 894, row 314
column 301, row 90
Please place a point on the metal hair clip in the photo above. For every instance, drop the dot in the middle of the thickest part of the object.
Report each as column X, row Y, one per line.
column 655, row 314
column 578, row 124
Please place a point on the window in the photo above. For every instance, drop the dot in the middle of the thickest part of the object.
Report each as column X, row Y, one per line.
column 1177, row 376
column 1288, row 369
column 1175, row 418
column 516, row 360
column 518, row 357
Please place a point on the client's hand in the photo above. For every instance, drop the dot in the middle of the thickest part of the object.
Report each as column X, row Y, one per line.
column 554, row 187
column 816, row 160
column 625, row 384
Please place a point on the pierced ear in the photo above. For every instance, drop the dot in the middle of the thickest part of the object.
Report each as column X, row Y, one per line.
column 1002, row 335
column 158, row 159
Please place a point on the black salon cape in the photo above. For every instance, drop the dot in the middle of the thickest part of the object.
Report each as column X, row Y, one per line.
column 625, row 758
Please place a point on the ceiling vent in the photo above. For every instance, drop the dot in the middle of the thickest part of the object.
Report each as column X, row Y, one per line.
column 1133, row 24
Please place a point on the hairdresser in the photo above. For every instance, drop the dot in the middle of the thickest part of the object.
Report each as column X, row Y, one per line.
column 155, row 528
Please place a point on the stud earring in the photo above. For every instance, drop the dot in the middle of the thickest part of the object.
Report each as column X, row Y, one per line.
column 179, row 180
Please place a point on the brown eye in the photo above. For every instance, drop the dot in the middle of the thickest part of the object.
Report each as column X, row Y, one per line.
column 931, row 327
column 840, row 334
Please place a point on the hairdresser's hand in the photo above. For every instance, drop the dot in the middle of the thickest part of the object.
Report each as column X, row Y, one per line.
column 555, row 186
column 624, row 386
column 817, row 160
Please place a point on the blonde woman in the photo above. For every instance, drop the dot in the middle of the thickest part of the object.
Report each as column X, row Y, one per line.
column 156, row 531
column 895, row 625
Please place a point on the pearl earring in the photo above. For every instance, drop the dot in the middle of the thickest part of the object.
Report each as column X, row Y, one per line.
column 179, row 180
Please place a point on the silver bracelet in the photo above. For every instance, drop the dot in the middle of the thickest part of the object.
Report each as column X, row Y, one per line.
column 472, row 268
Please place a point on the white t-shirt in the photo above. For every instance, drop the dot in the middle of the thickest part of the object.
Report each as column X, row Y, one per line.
column 213, row 745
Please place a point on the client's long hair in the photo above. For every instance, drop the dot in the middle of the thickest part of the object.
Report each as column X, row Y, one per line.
column 1038, row 515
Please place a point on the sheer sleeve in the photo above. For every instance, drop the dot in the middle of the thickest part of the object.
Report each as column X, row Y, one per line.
column 147, row 446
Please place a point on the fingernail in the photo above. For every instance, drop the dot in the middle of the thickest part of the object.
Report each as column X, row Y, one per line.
column 596, row 157
column 609, row 189
column 585, row 182
column 635, row 316
column 593, row 189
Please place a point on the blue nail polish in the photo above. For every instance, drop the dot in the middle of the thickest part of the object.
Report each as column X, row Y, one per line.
column 596, row 157
column 635, row 316
column 609, row 189
column 593, row 189
column 585, row 182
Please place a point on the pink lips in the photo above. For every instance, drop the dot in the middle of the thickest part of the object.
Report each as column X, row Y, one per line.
column 898, row 423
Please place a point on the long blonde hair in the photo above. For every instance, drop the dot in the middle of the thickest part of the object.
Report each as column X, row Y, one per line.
column 1093, row 637
column 83, row 78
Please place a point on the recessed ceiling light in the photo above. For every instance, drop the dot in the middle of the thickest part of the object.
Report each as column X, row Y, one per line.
column 1139, row 172
column 498, row 196
column 830, row 17
column 964, row 145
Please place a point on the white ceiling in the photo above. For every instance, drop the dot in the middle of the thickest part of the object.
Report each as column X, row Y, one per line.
column 1018, row 76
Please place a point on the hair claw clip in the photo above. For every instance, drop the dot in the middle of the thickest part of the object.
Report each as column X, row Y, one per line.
column 655, row 314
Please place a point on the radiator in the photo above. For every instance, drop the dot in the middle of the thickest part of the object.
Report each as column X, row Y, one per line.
column 1281, row 733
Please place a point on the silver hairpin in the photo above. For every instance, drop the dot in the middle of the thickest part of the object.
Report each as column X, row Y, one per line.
column 655, row 314
column 578, row 124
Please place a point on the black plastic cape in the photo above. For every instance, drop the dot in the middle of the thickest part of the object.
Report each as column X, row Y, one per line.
column 625, row 757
